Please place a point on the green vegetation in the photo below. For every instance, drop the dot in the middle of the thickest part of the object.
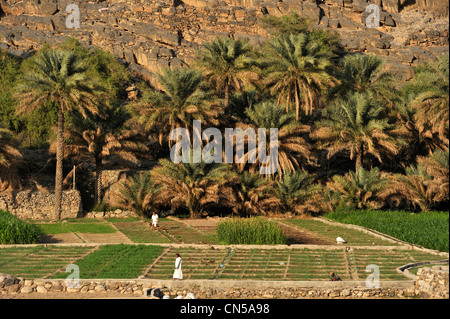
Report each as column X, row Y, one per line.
column 331, row 232
column 427, row 229
column 139, row 232
column 256, row 231
column 61, row 228
column 16, row 231
column 38, row 261
column 116, row 261
column 350, row 134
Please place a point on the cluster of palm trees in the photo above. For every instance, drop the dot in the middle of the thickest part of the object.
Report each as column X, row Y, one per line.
column 349, row 134
column 328, row 116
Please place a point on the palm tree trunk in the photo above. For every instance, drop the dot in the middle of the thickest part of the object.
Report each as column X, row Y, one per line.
column 98, row 180
column 59, row 164
column 358, row 160
column 297, row 103
column 227, row 94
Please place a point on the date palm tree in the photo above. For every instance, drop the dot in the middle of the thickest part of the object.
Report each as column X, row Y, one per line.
column 415, row 187
column 228, row 64
column 294, row 151
column 364, row 73
column 357, row 125
column 431, row 96
column 437, row 165
column 297, row 70
column 58, row 77
column 193, row 186
column 253, row 195
column 139, row 193
column 95, row 138
column 181, row 101
column 361, row 189
column 420, row 136
column 297, row 192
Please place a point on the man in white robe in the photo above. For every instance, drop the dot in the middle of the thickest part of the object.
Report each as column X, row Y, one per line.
column 178, row 273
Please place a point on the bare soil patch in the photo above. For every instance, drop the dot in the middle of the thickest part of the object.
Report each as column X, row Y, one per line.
column 60, row 238
column 297, row 236
column 207, row 225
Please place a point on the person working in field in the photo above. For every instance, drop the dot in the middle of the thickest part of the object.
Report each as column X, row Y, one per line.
column 177, row 274
column 155, row 220
column 334, row 277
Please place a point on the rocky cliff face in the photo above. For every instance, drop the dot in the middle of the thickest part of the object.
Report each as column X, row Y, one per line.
column 152, row 34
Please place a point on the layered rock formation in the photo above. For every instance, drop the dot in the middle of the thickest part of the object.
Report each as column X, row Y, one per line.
column 152, row 34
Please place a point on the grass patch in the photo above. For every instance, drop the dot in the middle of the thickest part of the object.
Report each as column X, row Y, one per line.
column 16, row 231
column 62, row 228
column 427, row 229
column 250, row 231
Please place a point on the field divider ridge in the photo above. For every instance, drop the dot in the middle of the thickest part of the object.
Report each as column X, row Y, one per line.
column 148, row 269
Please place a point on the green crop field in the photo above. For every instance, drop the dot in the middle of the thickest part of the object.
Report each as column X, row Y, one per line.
column 156, row 262
column 430, row 229
column 38, row 261
column 140, row 232
column 116, row 261
column 330, row 232
column 180, row 233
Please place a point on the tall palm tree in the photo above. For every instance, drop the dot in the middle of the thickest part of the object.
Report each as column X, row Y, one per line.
column 297, row 192
column 227, row 63
column 293, row 150
column 94, row 138
column 297, row 71
column 193, row 186
column 362, row 188
column 58, row 77
column 358, row 125
column 181, row 101
column 431, row 96
column 10, row 159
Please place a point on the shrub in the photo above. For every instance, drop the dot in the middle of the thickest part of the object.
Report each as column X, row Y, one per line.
column 16, row 231
column 257, row 231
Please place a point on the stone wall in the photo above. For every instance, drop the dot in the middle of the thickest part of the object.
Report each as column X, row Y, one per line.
column 429, row 283
column 433, row 282
column 40, row 204
column 246, row 290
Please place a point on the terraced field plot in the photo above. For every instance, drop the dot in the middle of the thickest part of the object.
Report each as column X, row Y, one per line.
column 157, row 262
column 140, row 232
column 38, row 261
column 181, row 233
column 91, row 227
column 329, row 232
column 275, row 264
column 386, row 260
column 197, row 263
column 116, row 261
